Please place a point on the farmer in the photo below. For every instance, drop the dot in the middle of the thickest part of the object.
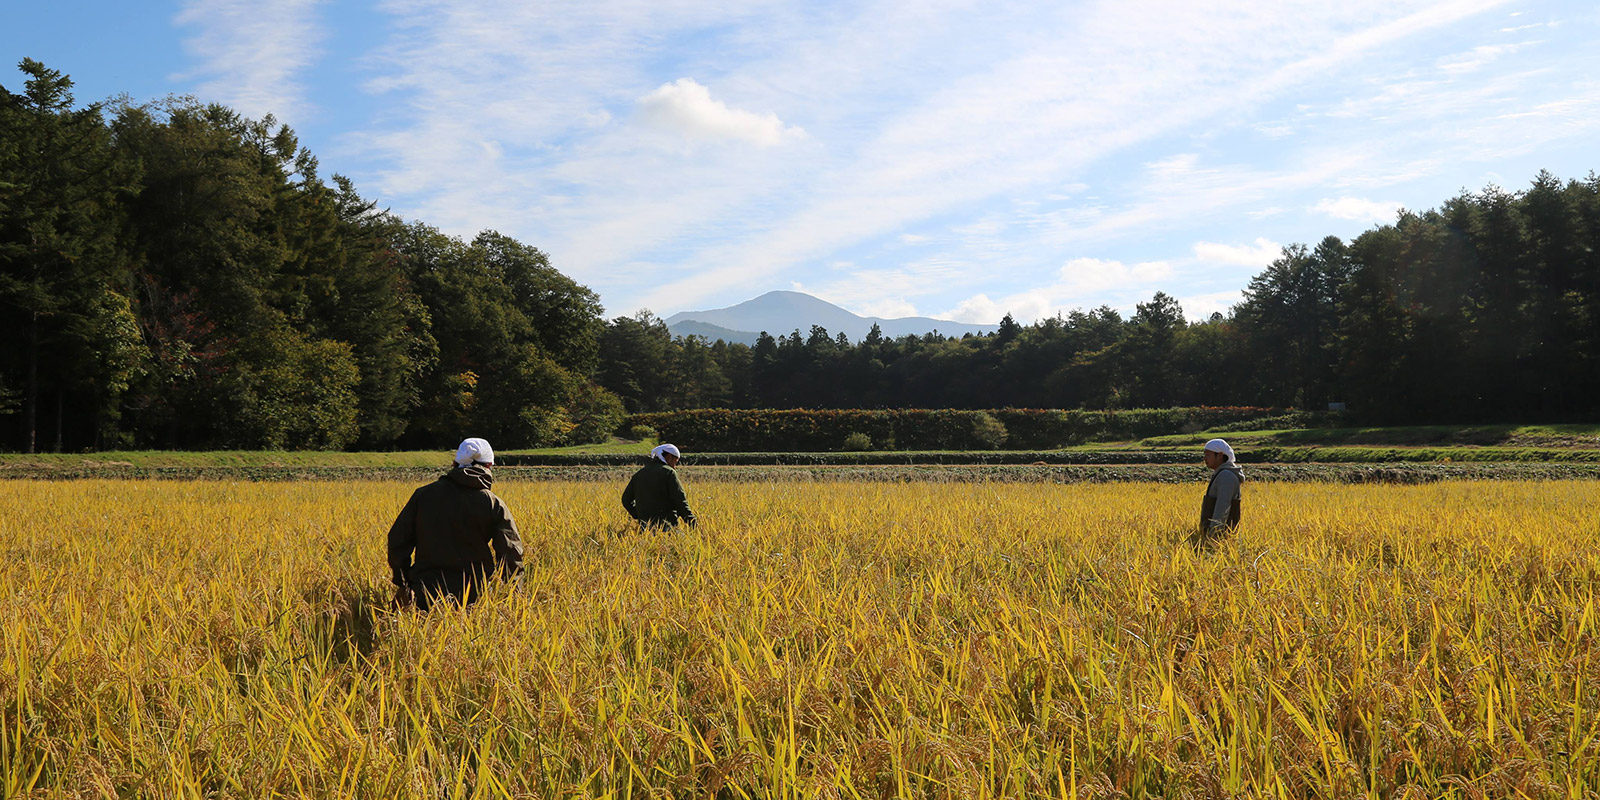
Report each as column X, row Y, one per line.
column 461, row 534
column 654, row 496
column 1219, row 511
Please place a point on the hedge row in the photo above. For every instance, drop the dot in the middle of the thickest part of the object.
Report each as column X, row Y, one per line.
column 803, row 430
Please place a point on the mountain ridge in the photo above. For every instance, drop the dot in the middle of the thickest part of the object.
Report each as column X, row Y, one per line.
column 779, row 312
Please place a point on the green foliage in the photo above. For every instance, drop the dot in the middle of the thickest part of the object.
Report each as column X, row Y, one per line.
column 595, row 413
column 651, row 370
column 988, row 433
column 857, row 442
column 289, row 391
column 182, row 276
column 563, row 317
column 524, row 406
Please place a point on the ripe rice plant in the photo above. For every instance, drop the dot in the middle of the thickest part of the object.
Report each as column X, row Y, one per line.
column 219, row 639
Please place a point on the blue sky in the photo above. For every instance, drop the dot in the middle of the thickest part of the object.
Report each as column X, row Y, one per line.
column 935, row 157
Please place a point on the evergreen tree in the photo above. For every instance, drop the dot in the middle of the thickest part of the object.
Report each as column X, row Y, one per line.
column 64, row 277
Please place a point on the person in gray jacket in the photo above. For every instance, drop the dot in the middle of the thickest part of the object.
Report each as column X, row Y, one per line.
column 654, row 495
column 458, row 530
column 1219, row 510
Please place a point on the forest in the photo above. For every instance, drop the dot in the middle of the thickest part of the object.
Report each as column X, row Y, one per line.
column 175, row 275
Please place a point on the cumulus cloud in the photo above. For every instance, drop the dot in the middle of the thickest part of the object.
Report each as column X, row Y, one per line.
column 1357, row 209
column 1259, row 254
column 251, row 54
column 980, row 310
column 686, row 107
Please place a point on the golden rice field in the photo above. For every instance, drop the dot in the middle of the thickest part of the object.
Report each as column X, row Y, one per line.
column 213, row 639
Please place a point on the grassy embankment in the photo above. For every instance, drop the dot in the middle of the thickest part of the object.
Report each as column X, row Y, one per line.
column 1576, row 436
column 822, row 640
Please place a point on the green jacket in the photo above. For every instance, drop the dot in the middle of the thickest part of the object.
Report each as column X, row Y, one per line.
column 654, row 496
column 460, row 533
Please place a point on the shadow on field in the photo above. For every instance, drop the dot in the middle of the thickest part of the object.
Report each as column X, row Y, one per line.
column 342, row 624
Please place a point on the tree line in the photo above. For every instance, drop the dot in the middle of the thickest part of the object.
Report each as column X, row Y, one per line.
column 175, row 275
column 1485, row 309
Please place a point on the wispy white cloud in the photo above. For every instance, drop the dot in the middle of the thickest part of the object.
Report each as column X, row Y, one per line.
column 1357, row 209
column 888, row 308
column 1178, row 166
column 1074, row 98
column 860, row 289
column 1479, row 57
column 1275, row 130
column 944, row 149
column 253, row 56
column 903, row 125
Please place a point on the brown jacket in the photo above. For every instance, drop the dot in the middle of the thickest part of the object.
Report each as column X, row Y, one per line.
column 459, row 531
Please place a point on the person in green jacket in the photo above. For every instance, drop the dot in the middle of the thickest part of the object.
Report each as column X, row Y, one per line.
column 654, row 496
column 459, row 532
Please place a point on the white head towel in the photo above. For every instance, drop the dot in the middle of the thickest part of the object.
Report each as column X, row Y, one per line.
column 474, row 451
column 1219, row 446
column 659, row 452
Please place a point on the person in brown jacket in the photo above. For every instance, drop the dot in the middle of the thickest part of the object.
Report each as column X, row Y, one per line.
column 459, row 531
column 654, row 495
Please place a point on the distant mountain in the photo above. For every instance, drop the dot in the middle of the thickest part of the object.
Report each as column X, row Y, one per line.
column 778, row 313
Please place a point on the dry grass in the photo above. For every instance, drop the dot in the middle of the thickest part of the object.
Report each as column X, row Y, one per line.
column 810, row 640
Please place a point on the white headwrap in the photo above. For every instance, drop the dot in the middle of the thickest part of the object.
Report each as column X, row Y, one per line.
column 1219, row 446
column 659, row 452
column 474, row 450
